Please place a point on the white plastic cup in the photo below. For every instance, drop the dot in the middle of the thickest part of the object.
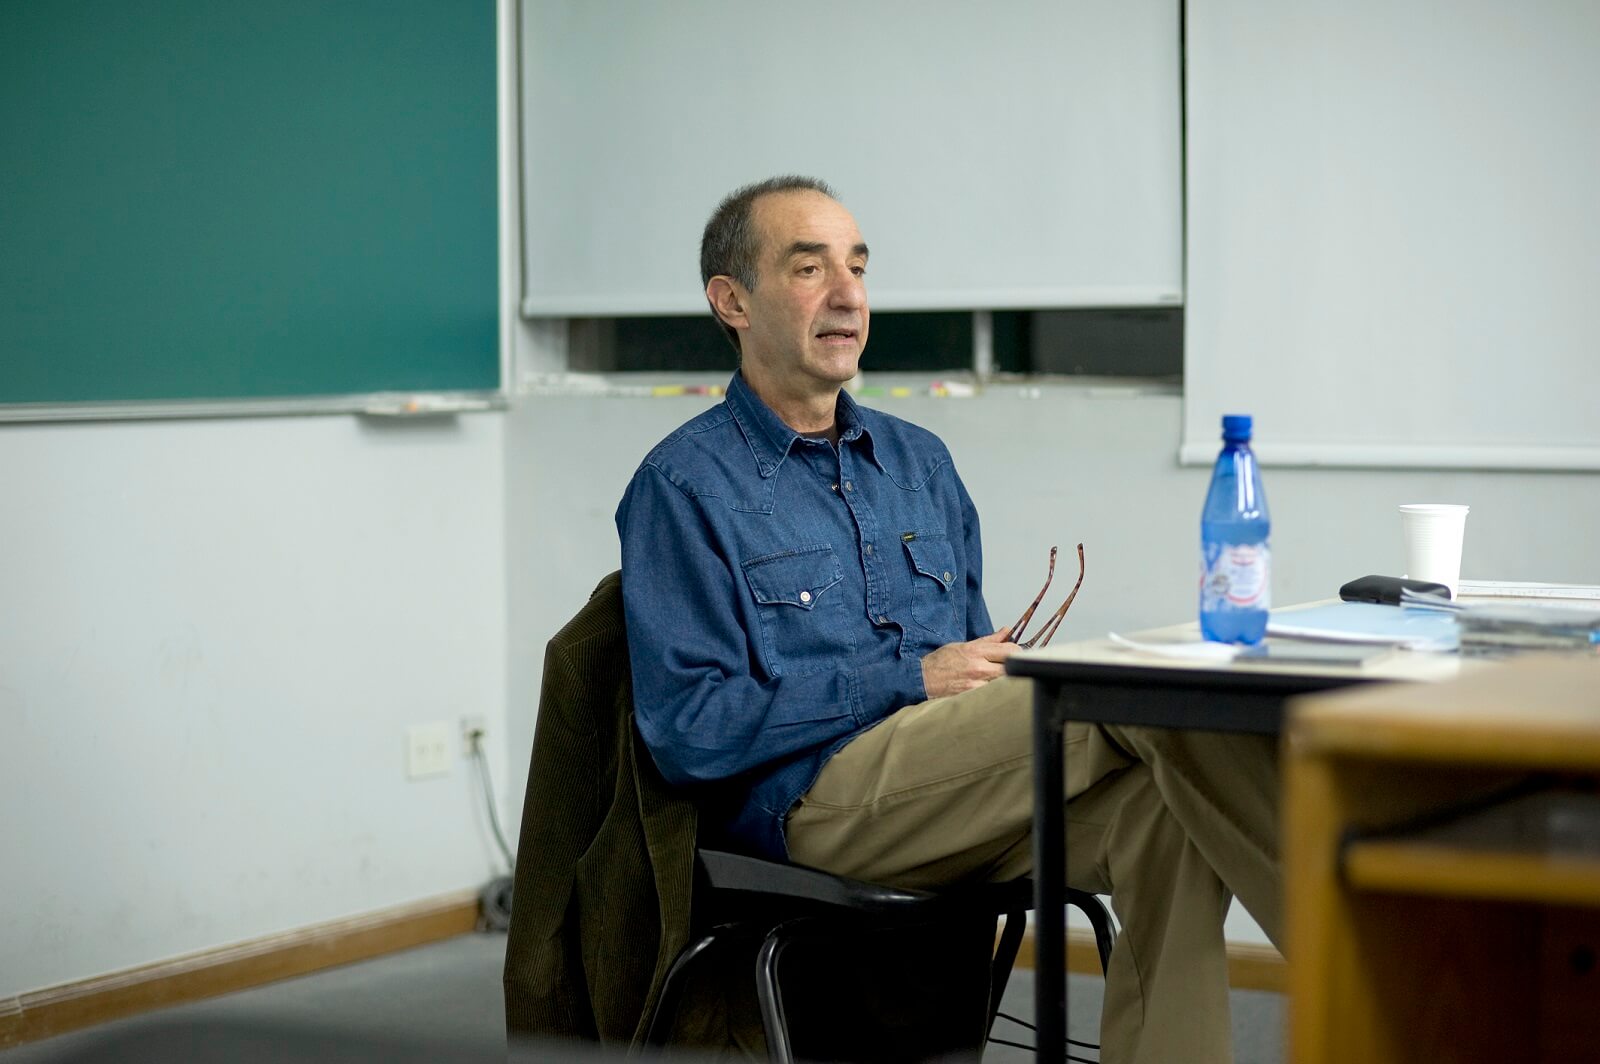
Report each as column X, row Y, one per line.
column 1433, row 533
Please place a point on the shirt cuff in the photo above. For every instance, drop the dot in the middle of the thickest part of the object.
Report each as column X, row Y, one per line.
column 880, row 689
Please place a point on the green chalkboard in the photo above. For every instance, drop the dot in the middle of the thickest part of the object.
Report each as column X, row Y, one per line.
column 246, row 199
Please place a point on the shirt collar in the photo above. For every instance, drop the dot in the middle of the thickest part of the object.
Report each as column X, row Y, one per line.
column 770, row 439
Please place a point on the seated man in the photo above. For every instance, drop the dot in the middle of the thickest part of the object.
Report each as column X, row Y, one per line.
column 802, row 579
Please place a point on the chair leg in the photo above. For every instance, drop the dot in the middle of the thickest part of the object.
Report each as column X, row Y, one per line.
column 1105, row 937
column 773, row 1020
column 1099, row 919
column 1005, row 956
column 672, row 988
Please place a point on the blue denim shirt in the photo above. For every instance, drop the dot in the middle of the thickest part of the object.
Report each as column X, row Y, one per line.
column 781, row 594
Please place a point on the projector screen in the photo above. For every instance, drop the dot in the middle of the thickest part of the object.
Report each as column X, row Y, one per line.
column 1393, row 232
column 1026, row 155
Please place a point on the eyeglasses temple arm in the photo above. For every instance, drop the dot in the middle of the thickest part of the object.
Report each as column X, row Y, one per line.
column 1046, row 633
column 1027, row 615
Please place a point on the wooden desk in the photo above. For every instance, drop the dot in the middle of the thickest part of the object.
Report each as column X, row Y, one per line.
column 1472, row 938
column 1097, row 680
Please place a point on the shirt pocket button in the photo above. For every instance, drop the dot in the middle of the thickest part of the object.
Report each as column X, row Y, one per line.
column 805, row 596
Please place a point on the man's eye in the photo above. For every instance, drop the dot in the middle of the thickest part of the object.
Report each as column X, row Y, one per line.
column 807, row 271
column 859, row 271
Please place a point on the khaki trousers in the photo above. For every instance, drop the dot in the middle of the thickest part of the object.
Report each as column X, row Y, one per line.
column 1170, row 823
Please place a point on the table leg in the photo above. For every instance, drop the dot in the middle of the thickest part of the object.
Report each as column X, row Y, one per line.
column 1049, row 877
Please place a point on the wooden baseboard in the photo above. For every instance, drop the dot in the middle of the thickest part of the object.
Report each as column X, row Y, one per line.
column 59, row 1009
column 1250, row 966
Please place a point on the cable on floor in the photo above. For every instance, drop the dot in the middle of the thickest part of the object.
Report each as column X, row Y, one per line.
column 494, row 901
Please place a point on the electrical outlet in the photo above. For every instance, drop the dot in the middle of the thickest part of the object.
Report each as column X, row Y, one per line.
column 428, row 750
column 472, row 725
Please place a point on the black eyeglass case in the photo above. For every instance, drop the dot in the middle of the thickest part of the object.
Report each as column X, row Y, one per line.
column 1386, row 589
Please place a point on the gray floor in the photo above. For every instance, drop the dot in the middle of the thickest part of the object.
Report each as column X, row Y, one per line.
column 448, row 994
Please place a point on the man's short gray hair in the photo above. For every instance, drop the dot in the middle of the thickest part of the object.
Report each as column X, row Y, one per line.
column 730, row 244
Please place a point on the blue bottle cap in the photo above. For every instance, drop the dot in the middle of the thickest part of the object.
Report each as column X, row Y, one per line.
column 1235, row 427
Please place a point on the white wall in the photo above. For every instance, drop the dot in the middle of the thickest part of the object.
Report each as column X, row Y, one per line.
column 215, row 632
column 212, row 637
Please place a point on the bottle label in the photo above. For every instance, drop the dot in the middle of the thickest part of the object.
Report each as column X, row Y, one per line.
column 1236, row 576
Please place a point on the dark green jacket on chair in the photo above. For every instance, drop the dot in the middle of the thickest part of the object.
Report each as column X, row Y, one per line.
column 605, row 864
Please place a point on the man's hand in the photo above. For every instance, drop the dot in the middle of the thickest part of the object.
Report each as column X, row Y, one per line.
column 957, row 667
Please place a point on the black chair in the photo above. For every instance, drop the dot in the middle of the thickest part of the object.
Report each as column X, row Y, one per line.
column 615, row 902
column 743, row 897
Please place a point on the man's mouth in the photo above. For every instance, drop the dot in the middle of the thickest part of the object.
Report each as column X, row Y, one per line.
column 837, row 334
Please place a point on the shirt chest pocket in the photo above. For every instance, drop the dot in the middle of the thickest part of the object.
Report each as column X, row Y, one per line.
column 800, row 620
column 933, row 579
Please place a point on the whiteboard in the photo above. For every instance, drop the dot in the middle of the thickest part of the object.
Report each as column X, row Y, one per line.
column 1393, row 233
column 1026, row 155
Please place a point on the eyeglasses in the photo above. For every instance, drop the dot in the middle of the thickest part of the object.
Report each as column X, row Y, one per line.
column 1041, row 638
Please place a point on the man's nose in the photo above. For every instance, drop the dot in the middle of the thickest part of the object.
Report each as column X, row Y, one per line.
column 848, row 291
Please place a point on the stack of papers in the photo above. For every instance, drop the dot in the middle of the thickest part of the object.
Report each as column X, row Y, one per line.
column 1511, row 589
column 1500, row 628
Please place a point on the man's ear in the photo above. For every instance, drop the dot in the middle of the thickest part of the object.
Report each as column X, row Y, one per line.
column 727, row 298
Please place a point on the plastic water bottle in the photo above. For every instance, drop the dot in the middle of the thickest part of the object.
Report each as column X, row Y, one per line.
column 1235, row 561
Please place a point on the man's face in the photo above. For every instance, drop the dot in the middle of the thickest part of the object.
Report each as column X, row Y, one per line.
column 808, row 311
